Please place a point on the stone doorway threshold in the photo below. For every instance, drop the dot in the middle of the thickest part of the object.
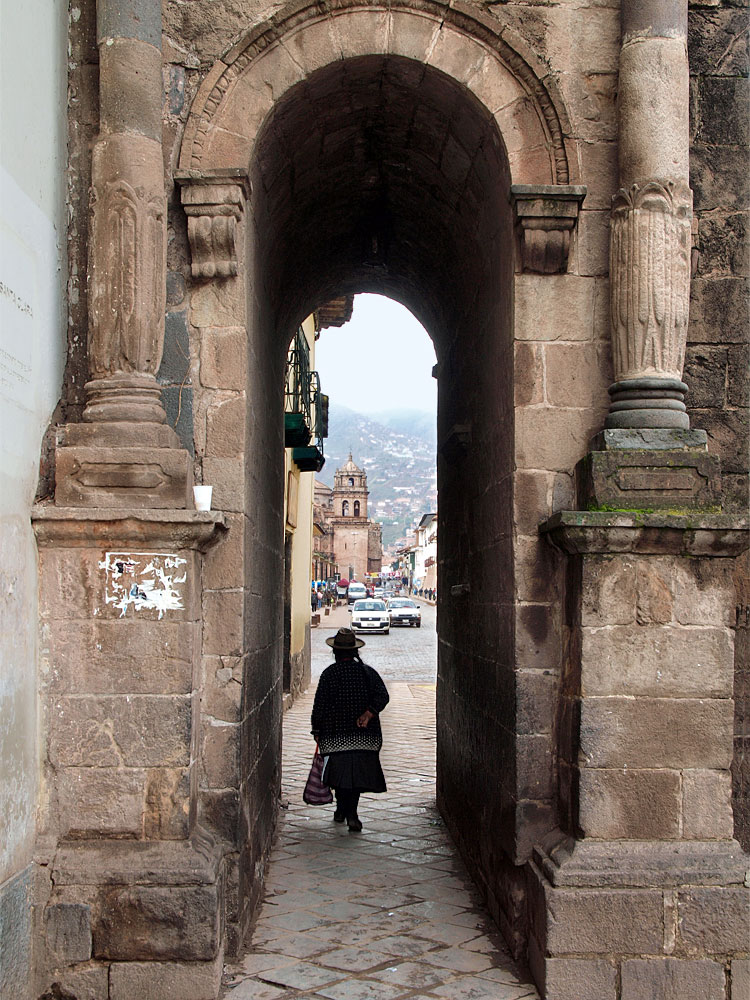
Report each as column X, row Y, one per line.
column 383, row 915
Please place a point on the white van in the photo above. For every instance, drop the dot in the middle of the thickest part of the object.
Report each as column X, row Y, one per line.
column 356, row 592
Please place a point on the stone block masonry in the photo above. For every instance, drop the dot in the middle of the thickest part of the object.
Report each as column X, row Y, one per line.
column 333, row 149
column 717, row 363
column 649, row 876
column 130, row 880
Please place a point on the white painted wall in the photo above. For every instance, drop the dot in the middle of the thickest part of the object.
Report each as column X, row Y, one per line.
column 33, row 93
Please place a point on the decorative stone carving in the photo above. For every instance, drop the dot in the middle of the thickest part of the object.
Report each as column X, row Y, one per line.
column 214, row 205
column 123, row 454
column 545, row 216
column 652, row 469
column 127, row 280
column 650, row 247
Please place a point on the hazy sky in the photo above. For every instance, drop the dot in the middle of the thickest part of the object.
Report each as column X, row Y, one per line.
column 381, row 360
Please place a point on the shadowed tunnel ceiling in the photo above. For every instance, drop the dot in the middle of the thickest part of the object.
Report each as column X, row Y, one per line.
column 380, row 174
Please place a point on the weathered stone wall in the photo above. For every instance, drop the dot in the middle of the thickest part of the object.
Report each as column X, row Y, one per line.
column 83, row 127
column 717, row 367
column 628, row 905
column 667, row 777
column 120, row 688
column 524, row 365
column 128, row 879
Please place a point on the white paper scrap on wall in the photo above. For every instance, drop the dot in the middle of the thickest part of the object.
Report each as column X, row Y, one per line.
column 144, row 581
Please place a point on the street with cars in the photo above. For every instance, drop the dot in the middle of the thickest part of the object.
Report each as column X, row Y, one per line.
column 404, row 654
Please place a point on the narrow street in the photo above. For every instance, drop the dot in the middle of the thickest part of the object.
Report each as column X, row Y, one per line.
column 389, row 913
column 405, row 654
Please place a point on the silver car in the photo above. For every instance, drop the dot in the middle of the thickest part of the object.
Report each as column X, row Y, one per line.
column 404, row 612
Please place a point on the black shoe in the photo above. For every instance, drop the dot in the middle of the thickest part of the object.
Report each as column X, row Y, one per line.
column 338, row 817
column 354, row 824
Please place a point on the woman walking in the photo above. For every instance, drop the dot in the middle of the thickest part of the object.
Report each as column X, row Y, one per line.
column 345, row 722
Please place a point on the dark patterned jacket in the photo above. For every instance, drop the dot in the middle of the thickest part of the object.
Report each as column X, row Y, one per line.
column 345, row 690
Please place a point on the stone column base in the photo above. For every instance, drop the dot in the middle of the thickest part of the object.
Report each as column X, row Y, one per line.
column 120, row 465
column 130, row 893
column 647, row 469
column 129, row 919
column 639, row 920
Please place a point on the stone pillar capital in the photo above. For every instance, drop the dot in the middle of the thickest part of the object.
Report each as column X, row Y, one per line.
column 214, row 203
column 545, row 216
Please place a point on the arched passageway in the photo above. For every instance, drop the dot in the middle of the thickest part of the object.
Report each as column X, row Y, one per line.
column 422, row 151
column 385, row 913
column 381, row 174
column 338, row 155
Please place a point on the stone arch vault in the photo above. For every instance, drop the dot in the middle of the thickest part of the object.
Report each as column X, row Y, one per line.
column 493, row 63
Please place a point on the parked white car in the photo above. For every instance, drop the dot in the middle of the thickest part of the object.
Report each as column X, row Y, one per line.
column 356, row 591
column 370, row 616
column 404, row 611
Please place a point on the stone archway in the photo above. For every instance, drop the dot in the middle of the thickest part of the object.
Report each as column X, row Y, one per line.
column 422, row 152
column 418, row 154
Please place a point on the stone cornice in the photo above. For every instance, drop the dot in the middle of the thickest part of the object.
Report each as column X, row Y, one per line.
column 601, row 532
column 545, row 216
column 78, row 527
column 214, row 201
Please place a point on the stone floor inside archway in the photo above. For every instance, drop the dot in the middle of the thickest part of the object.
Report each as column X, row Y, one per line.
column 383, row 915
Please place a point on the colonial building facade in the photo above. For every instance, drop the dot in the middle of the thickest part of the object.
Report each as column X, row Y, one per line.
column 356, row 542
column 559, row 192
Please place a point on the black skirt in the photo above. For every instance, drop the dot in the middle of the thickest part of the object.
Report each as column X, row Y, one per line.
column 358, row 770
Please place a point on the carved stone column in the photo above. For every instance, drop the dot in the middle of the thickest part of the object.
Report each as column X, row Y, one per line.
column 124, row 454
column 651, row 218
column 127, row 250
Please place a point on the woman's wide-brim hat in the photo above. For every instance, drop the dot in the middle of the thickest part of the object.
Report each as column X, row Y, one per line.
column 345, row 640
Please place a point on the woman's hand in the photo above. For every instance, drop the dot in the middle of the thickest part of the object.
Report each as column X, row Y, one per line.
column 364, row 720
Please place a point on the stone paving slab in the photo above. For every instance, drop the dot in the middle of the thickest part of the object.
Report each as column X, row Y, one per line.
column 387, row 914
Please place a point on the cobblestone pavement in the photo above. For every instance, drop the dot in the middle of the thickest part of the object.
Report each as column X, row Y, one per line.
column 386, row 914
column 405, row 654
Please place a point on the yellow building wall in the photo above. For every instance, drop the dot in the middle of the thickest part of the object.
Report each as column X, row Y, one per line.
column 298, row 506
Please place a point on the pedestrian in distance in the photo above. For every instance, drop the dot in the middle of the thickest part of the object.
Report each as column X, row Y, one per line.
column 346, row 724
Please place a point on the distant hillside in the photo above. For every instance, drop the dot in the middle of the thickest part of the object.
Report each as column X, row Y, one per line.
column 397, row 451
column 414, row 423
